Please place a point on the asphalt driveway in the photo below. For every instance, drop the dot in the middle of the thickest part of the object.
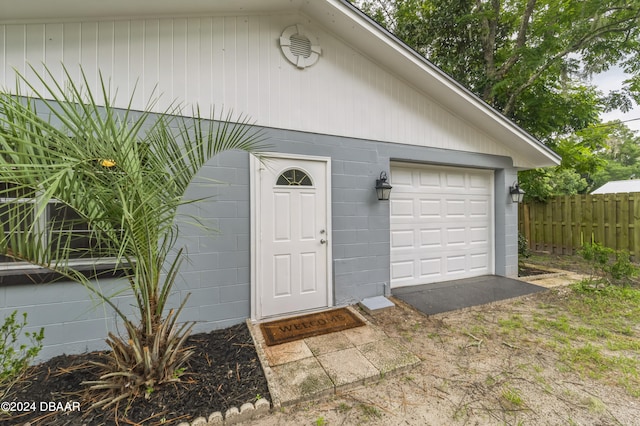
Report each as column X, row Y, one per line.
column 453, row 295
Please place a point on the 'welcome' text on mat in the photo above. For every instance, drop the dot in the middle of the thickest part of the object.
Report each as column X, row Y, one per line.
column 290, row 329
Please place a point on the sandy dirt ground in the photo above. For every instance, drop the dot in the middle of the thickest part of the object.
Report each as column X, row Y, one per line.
column 483, row 366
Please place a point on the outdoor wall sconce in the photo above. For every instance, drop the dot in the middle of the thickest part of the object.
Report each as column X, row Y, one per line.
column 383, row 189
column 517, row 194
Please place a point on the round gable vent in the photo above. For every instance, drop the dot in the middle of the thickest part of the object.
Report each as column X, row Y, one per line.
column 300, row 46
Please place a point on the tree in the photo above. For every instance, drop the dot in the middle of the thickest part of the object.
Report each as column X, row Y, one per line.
column 621, row 157
column 124, row 174
column 516, row 54
column 530, row 59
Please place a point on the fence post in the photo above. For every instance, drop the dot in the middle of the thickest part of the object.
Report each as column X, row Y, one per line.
column 576, row 225
column 622, row 223
column 635, row 225
column 567, row 234
column 527, row 224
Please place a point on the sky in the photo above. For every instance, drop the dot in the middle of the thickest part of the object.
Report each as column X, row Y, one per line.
column 612, row 80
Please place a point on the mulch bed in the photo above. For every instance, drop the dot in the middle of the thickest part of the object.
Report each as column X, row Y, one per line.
column 224, row 372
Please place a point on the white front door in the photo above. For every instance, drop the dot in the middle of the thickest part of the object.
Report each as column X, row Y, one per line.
column 293, row 248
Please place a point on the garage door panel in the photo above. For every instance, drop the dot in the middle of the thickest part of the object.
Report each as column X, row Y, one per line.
column 429, row 208
column 456, row 264
column 428, row 179
column 479, row 235
column 402, row 270
column 455, row 181
column 447, row 234
column 479, row 208
column 479, row 262
column 431, row 238
column 455, row 208
column 431, row 267
column 479, row 183
column 456, row 236
column 402, row 177
column 402, row 239
column 403, row 208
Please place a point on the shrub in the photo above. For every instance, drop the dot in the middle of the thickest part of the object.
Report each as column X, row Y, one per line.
column 14, row 358
column 125, row 174
column 608, row 266
column 523, row 251
column 523, row 247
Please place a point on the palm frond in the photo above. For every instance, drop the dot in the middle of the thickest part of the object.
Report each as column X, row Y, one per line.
column 125, row 174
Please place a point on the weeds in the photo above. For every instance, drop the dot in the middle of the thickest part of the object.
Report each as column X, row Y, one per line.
column 523, row 250
column 343, row 408
column 15, row 357
column 595, row 335
column 511, row 324
column 607, row 265
column 370, row 411
column 512, row 396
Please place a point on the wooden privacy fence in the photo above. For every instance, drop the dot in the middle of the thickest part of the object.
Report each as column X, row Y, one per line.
column 563, row 224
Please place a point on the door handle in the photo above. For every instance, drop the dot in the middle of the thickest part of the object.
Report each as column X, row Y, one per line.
column 323, row 241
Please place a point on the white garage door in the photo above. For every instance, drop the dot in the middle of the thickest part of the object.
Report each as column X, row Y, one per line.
column 441, row 224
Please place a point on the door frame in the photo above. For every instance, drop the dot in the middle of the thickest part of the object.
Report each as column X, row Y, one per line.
column 257, row 163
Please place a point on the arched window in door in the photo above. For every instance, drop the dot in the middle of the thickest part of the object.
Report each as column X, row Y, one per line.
column 294, row 177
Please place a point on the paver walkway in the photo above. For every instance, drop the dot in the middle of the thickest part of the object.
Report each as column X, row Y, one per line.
column 321, row 366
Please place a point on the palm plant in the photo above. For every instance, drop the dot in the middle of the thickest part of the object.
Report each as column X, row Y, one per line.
column 118, row 177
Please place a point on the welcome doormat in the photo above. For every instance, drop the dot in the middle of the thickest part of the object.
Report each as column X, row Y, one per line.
column 296, row 328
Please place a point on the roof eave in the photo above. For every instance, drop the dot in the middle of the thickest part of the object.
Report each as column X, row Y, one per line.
column 430, row 79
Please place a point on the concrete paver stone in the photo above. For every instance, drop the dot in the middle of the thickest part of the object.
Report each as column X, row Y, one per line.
column 388, row 355
column 301, row 380
column 348, row 368
column 287, row 352
column 328, row 343
column 363, row 335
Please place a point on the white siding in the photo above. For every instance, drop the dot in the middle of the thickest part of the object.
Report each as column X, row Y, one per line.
column 234, row 63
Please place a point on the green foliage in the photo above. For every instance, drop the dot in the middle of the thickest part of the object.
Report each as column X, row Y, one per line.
column 621, row 156
column 14, row 357
column 590, row 158
column 608, row 266
column 523, row 249
column 370, row 411
column 541, row 184
column 512, row 396
column 531, row 61
column 125, row 173
column 593, row 332
column 320, row 421
column 523, row 246
column 520, row 56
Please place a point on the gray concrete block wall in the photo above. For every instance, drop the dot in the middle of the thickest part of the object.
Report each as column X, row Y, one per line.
column 73, row 320
column 510, row 225
column 216, row 270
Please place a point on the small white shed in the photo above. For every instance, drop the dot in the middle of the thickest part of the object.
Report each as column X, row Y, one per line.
column 618, row 186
